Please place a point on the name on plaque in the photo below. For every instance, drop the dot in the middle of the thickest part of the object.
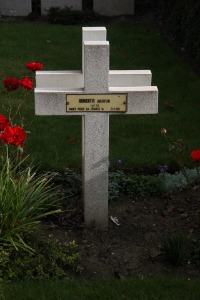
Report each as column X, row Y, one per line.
column 96, row 103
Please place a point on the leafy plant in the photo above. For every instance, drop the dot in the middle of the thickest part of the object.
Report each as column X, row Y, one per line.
column 176, row 248
column 137, row 185
column 132, row 184
column 177, row 180
column 49, row 260
column 67, row 15
column 196, row 252
column 114, row 186
column 25, row 198
column 71, row 181
column 178, row 151
column 142, row 186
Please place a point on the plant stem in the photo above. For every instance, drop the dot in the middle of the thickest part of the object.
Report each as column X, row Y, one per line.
column 185, row 175
column 198, row 172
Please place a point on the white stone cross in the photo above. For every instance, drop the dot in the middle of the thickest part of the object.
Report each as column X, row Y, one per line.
column 52, row 89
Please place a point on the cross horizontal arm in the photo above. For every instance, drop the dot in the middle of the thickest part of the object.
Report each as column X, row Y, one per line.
column 75, row 79
column 59, row 79
column 141, row 100
column 130, row 78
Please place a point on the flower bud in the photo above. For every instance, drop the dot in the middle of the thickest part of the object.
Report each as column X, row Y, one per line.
column 163, row 130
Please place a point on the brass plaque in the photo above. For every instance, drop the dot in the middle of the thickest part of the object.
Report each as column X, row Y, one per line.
column 96, row 103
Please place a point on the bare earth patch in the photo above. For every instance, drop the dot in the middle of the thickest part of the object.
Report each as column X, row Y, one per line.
column 134, row 248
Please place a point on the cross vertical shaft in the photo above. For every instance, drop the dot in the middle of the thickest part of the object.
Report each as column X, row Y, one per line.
column 95, row 137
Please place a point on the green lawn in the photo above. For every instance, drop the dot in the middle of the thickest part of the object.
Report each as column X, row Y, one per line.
column 132, row 289
column 136, row 140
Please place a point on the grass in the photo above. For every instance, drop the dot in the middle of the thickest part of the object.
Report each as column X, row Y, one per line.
column 133, row 289
column 134, row 139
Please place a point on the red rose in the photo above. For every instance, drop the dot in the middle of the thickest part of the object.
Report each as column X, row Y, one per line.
column 195, row 155
column 34, row 66
column 13, row 135
column 11, row 84
column 3, row 122
column 26, row 83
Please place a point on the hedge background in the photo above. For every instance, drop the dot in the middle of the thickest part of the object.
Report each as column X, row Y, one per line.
column 181, row 21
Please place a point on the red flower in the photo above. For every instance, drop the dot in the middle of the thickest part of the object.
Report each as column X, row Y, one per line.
column 13, row 135
column 3, row 122
column 26, row 83
column 34, row 66
column 195, row 155
column 71, row 140
column 11, row 84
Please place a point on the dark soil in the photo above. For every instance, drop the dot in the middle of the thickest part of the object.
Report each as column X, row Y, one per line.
column 133, row 248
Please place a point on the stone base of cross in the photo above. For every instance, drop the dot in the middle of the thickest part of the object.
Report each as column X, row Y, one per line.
column 77, row 93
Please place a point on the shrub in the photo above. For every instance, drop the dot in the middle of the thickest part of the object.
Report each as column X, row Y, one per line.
column 66, row 15
column 25, row 198
column 176, row 248
column 50, row 260
column 143, row 186
column 177, row 180
column 72, row 182
column 181, row 22
column 196, row 252
column 132, row 184
column 136, row 185
column 178, row 150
